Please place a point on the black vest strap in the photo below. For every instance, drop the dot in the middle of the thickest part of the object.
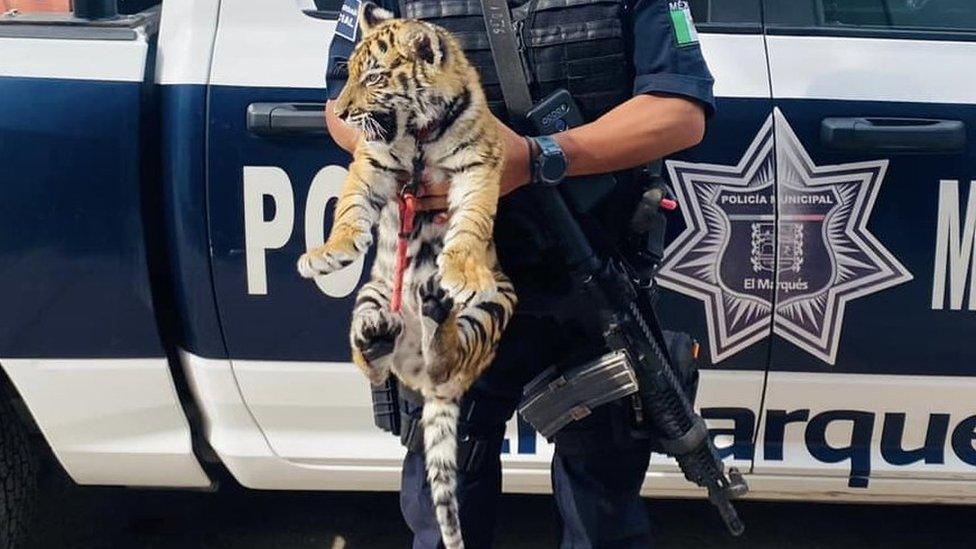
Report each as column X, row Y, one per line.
column 508, row 63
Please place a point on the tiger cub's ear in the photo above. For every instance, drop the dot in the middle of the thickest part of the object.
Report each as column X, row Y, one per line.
column 371, row 15
column 423, row 43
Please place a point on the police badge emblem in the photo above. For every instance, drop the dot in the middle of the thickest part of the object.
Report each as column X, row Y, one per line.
column 777, row 229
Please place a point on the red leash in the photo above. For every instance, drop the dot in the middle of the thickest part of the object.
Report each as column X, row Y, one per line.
column 408, row 211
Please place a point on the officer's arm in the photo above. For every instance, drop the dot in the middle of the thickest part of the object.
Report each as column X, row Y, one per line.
column 644, row 128
column 672, row 95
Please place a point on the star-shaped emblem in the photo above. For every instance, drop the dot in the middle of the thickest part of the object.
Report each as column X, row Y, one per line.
column 777, row 239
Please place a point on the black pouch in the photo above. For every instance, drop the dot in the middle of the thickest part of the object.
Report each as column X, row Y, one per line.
column 386, row 406
column 561, row 395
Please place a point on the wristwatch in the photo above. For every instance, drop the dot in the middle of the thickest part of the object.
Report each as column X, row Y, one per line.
column 548, row 162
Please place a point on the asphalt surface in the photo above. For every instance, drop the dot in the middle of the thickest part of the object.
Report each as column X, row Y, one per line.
column 234, row 517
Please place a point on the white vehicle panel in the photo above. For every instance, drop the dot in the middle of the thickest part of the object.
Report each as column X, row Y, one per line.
column 110, row 421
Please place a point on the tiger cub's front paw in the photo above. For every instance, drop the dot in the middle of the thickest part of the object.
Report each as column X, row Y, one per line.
column 334, row 255
column 464, row 274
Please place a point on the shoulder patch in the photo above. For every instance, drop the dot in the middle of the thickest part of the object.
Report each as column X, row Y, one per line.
column 347, row 26
column 682, row 23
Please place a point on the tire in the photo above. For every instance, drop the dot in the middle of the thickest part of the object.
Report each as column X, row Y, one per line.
column 18, row 477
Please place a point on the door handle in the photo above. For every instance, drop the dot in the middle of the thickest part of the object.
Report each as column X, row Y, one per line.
column 286, row 119
column 893, row 135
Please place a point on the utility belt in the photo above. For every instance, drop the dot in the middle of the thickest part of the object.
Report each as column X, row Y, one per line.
column 581, row 405
column 397, row 410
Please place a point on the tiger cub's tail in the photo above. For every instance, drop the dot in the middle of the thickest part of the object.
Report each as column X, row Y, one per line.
column 439, row 421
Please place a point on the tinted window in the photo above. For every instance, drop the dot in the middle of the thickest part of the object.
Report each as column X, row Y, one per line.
column 853, row 16
column 724, row 12
column 902, row 14
column 135, row 6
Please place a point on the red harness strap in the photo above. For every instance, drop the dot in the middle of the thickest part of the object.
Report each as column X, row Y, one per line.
column 408, row 210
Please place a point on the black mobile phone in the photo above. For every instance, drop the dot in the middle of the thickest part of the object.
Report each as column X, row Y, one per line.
column 559, row 112
column 555, row 113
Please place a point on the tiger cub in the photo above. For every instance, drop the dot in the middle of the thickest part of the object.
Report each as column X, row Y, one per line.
column 421, row 110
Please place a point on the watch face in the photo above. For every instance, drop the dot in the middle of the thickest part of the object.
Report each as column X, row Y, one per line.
column 553, row 167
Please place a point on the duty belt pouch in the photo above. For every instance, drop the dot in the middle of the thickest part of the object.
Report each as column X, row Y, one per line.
column 386, row 406
column 562, row 395
column 472, row 450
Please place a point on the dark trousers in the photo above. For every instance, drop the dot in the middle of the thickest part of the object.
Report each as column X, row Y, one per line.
column 597, row 486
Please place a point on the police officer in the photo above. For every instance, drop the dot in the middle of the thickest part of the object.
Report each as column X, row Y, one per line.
column 637, row 72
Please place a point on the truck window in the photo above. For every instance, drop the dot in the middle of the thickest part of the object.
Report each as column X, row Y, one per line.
column 129, row 7
column 901, row 14
column 718, row 15
column 922, row 19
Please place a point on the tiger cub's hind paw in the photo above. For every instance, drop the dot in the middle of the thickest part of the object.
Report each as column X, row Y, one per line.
column 464, row 275
column 374, row 333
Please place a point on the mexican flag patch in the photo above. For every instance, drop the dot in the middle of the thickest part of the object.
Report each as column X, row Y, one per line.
column 684, row 26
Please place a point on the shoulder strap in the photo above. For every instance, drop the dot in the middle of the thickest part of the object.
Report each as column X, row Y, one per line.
column 508, row 62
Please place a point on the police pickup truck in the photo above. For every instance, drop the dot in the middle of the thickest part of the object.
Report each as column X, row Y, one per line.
column 161, row 171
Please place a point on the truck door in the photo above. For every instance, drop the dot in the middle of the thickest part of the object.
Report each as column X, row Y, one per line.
column 872, row 366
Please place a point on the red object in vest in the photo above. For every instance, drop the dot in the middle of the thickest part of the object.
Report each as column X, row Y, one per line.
column 408, row 210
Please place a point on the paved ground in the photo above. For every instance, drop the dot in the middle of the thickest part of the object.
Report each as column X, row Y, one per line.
column 97, row 518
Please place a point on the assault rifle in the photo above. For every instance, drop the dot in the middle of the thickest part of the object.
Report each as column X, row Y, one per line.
column 621, row 285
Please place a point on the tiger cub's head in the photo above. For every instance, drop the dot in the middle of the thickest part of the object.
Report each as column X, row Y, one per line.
column 405, row 77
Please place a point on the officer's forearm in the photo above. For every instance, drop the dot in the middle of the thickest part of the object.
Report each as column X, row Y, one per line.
column 343, row 134
column 644, row 128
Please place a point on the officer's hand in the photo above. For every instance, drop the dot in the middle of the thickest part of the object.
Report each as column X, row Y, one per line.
column 433, row 196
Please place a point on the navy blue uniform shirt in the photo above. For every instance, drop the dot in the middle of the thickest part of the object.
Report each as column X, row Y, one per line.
column 667, row 58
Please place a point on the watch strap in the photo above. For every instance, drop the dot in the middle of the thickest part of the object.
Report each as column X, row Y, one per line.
column 548, row 146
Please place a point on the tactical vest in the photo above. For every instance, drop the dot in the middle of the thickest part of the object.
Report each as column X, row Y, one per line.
column 579, row 45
